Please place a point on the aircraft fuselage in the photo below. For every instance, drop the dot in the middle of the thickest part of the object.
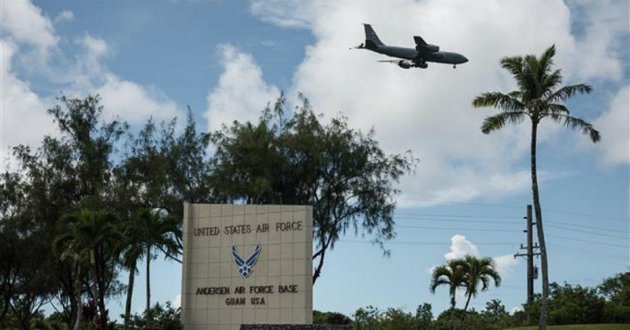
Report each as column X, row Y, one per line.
column 412, row 54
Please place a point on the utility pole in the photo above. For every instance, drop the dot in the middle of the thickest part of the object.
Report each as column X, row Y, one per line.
column 531, row 270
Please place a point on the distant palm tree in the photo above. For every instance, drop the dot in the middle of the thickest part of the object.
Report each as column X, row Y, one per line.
column 539, row 96
column 478, row 270
column 451, row 275
column 157, row 231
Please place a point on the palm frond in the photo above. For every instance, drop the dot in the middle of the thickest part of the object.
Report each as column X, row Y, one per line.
column 496, row 122
column 585, row 127
column 566, row 92
column 505, row 102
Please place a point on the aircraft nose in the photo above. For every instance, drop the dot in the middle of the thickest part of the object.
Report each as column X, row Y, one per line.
column 464, row 59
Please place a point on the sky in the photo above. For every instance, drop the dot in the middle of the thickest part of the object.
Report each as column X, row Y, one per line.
column 468, row 195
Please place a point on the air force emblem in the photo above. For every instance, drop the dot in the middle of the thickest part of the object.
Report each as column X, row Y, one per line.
column 245, row 267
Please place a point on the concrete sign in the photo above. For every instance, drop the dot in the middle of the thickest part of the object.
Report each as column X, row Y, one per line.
column 246, row 264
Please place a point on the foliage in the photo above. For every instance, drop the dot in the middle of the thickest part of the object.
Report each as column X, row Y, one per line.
column 539, row 96
column 450, row 275
column 478, row 270
column 158, row 317
column 330, row 318
column 297, row 159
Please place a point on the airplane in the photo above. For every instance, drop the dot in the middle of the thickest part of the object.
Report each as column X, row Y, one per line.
column 410, row 57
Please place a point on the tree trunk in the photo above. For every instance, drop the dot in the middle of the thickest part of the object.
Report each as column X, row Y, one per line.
column 77, row 285
column 467, row 302
column 542, row 324
column 132, row 278
column 148, row 277
column 318, row 269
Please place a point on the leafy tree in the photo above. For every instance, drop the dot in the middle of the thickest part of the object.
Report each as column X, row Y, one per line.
column 424, row 316
column 161, row 317
column 539, row 96
column 478, row 270
column 330, row 318
column 616, row 291
column 452, row 275
column 341, row 172
column 69, row 171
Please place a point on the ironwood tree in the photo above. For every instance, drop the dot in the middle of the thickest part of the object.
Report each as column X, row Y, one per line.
column 295, row 158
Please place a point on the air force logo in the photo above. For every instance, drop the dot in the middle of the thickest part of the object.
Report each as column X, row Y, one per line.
column 245, row 267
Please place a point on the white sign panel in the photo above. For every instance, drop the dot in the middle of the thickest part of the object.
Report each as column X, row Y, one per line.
column 246, row 264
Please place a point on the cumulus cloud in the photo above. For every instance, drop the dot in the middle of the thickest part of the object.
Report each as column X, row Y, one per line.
column 430, row 111
column 614, row 124
column 241, row 92
column 461, row 247
column 28, row 27
column 135, row 103
column 26, row 23
column 18, row 105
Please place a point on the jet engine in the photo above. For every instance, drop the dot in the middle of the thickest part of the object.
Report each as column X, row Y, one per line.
column 404, row 64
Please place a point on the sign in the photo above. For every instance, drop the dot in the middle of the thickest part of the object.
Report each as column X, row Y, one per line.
column 246, row 264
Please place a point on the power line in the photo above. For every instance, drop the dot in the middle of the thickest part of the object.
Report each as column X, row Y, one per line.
column 587, row 241
column 423, row 243
column 458, row 228
column 586, row 232
column 585, row 226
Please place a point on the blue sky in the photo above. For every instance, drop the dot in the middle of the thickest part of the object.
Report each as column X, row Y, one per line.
column 227, row 59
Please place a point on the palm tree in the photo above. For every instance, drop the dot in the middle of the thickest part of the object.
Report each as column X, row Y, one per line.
column 157, row 231
column 539, row 96
column 131, row 255
column 450, row 274
column 478, row 270
column 91, row 238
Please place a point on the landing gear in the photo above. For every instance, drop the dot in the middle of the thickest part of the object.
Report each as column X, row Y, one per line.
column 454, row 66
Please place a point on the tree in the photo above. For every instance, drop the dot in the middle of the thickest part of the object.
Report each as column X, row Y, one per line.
column 92, row 238
column 539, row 96
column 477, row 270
column 452, row 275
column 158, row 233
column 341, row 172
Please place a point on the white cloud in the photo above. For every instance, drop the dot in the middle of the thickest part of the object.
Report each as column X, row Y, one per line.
column 177, row 302
column 23, row 117
column 64, row 16
column 26, row 23
column 614, row 125
column 429, row 111
column 505, row 263
column 461, row 247
column 241, row 93
column 135, row 103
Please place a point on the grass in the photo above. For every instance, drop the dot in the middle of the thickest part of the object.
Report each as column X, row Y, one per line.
column 580, row 327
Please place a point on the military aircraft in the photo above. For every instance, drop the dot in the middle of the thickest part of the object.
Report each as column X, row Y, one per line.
column 410, row 57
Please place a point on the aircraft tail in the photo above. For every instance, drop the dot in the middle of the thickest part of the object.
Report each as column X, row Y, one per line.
column 371, row 39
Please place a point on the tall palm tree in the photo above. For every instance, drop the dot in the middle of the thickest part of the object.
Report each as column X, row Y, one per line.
column 478, row 270
column 133, row 252
column 539, row 96
column 158, row 232
column 451, row 275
